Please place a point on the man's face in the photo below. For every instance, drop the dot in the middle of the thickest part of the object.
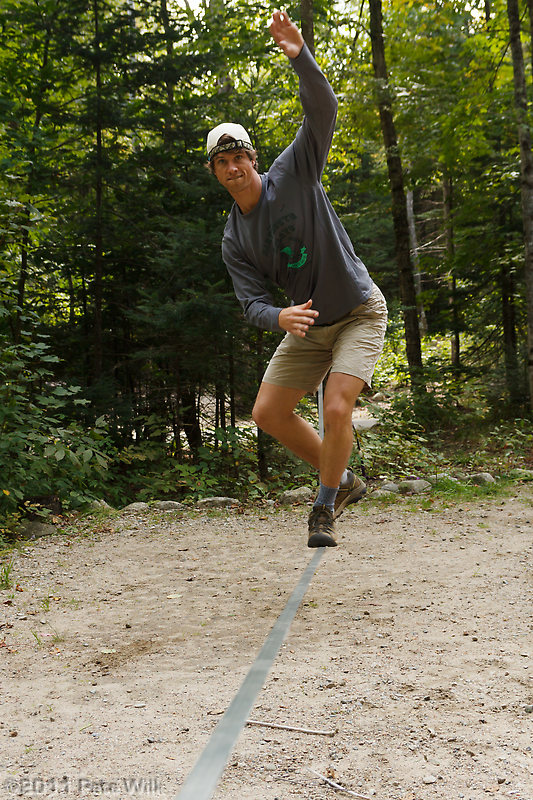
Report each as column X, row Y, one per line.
column 234, row 170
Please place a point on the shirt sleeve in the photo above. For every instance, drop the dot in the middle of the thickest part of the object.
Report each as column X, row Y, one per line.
column 310, row 148
column 251, row 291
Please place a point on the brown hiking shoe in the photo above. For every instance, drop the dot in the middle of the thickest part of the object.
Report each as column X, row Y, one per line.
column 352, row 490
column 321, row 528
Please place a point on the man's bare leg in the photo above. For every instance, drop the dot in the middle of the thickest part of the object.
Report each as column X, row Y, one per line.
column 274, row 413
column 340, row 397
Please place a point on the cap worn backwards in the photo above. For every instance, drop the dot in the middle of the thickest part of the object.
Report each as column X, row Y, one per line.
column 236, row 131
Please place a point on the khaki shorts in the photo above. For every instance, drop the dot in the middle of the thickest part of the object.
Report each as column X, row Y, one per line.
column 352, row 346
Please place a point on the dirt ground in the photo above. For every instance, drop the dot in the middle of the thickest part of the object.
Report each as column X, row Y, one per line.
column 125, row 638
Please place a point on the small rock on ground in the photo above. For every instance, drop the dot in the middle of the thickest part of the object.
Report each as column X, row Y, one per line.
column 218, row 502
column 136, row 507
column 415, row 486
column 482, row 478
column 383, row 493
column 34, row 530
column 390, row 486
column 301, row 495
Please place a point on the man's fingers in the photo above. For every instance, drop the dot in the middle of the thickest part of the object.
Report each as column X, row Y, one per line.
column 304, row 319
column 298, row 319
column 279, row 21
column 280, row 15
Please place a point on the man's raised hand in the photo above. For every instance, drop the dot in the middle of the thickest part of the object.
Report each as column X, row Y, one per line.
column 286, row 34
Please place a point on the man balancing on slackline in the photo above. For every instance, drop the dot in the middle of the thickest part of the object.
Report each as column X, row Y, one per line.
column 282, row 228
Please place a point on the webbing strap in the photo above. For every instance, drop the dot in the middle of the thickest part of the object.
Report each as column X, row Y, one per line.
column 359, row 449
column 203, row 778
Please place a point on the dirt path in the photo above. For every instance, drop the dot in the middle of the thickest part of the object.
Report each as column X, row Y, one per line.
column 414, row 642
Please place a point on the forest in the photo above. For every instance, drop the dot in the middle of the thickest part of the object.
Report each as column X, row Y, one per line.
column 127, row 369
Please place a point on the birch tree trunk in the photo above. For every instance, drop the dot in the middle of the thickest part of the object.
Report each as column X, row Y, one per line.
column 455, row 343
column 526, row 170
column 512, row 375
column 422, row 321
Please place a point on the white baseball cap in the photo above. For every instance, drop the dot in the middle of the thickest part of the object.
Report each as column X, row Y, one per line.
column 237, row 132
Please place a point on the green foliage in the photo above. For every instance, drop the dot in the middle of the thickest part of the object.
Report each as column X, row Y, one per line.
column 438, row 433
column 400, row 447
column 225, row 465
column 42, row 451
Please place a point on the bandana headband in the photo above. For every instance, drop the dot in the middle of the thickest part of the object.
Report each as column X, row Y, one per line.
column 237, row 144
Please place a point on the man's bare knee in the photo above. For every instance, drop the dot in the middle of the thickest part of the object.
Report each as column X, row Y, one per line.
column 260, row 415
column 265, row 416
column 274, row 407
column 337, row 414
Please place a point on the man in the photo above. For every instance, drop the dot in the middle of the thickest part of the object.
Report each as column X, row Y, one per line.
column 282, row 228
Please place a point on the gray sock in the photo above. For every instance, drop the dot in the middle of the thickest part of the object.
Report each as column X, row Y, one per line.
column 326, row 497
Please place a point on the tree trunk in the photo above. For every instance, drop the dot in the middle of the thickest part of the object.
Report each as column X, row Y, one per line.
column 32, row 157
column 422, row 321
column 168, row 133
column 221, row 407
column 526, row 169
column 190, row 420
column 98, row 237
column 530, row 12
column 399, row 205
column 232, row 410
column 308, row 26
column 262, row 465
column 455, row 344
column 512, row 378
column 23, row 277
column 178, row 426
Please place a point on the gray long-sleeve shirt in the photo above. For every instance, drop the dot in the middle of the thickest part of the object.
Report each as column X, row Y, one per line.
column 293, row 236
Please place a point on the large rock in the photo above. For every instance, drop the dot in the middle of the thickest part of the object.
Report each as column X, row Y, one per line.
column 218, row 502
column 382, row 493
column 136, row 507
column 303, row 494
column 415, row 486
column 32, row 529
column 482, row 478
column 167, row 505
column 390, row 486
column 364, row 423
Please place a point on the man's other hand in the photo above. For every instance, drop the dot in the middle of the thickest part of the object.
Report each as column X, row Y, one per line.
column 286, row 34
column 297, row 319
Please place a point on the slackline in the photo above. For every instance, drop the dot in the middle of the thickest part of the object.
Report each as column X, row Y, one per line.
column 203, row 778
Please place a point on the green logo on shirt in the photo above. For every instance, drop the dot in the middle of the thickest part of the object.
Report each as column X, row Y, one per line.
column 295, row 264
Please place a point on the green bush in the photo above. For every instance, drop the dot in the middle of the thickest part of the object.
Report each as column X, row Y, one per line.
column 42, row 451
